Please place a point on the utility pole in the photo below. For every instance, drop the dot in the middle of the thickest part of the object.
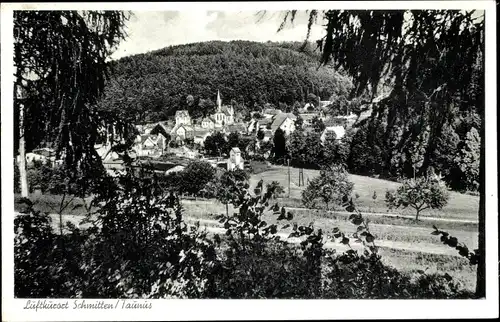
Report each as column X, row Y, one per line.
column 288, row 177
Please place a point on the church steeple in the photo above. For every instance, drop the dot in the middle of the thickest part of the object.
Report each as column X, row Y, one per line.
column 219, row 101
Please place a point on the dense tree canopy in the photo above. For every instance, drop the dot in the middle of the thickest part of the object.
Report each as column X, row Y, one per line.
column 150, row 86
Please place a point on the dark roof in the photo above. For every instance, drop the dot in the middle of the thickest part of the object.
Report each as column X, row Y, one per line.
column 265, row 121
column 280, row 118
column 200, row 132
column 144, row 137
column 237, row 127
column 209, row 118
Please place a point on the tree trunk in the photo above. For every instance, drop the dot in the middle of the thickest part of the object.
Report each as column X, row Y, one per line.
column 227, row 210
column 418, row 213
column 22, row 154
column 481, row 266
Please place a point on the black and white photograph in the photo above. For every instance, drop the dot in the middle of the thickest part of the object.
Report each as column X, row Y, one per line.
column 224, row 151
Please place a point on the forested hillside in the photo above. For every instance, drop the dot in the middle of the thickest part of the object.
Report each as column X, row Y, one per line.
column 153, row 86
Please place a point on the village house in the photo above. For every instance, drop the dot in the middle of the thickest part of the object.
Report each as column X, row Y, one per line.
column 183, row 152
column 308, row 117
column 252, row 126
column 339, row 132
column 265, row 123
column 182, row 117
column 235, row 128
column 111, row 161
column 270, row 112
column 235, row 161
column 285, row 122
column 208, row 123
column 181, row 132
column 149, row 145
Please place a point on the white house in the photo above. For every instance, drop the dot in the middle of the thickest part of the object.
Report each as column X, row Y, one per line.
column 43, row 155
column 235, row 161
column 284, row 121
column 182, row 117
column 338, row 130
column 149, row 145
column 181, row 131
column 208, row 123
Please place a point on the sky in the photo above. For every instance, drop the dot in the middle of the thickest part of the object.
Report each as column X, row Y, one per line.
column 151, row 30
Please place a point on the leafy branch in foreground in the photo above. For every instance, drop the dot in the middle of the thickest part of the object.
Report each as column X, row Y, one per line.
column 453, row 242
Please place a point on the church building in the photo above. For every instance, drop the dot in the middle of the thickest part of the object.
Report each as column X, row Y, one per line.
column 224, row 115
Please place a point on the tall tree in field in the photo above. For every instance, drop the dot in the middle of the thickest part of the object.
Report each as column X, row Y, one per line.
column 433, row 61
column 279, row 147
column 61, row 68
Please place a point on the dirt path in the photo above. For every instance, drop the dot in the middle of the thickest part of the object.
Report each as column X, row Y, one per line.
column 213, row 226
column 393, row 215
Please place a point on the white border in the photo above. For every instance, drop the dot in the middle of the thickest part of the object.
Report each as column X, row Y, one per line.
column 258, row 309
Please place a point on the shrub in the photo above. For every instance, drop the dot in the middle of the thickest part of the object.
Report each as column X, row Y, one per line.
column 137, row 246
column 257, row 264
column 420, row 194
column 46, row 264
column 329, row 187
column 195, row 176
column 277, row 189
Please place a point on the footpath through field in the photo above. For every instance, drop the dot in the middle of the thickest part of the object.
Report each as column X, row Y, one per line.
column 395, row 215
column 214, row 227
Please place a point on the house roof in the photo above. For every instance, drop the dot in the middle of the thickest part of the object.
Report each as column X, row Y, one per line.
column 145, row 137
column 237, row 127
column 236, row 150
column 186, row 127
column 181, row 113
column 308, row 116
column 265, row 121
column 280, row 118
column 324, row 103
column 336, row 121
column 271, row 111
column 161, row 128
column 338, row 130
column 208, row 119
column 201, row 132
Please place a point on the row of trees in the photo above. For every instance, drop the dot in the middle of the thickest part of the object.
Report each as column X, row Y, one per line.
column 363, row 152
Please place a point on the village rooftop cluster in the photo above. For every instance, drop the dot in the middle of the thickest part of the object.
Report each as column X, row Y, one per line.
column 175, row 142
